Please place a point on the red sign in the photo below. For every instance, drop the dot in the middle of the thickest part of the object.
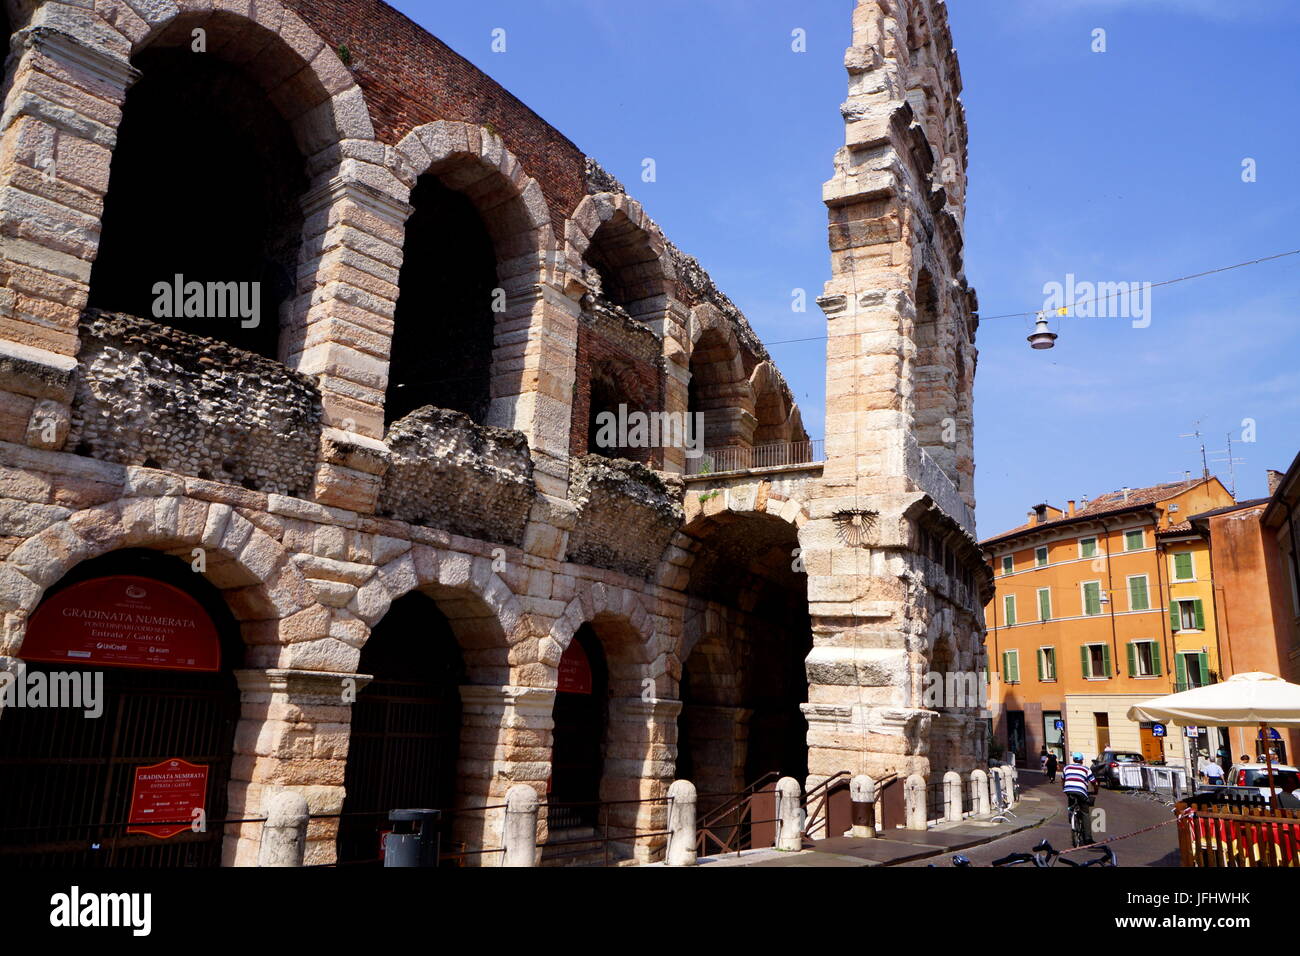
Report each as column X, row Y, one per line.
column 575, row 671
column 123, row 621
column 168, row 791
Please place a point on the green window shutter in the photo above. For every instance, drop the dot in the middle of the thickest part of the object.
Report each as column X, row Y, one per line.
column 1015, row 667
column 1173, row 616
column 1044, row 605
column 1038, row 656
column 1092, row 598
column 1180, row 670
column 1203, row 661
column 1137, row 595
column 1183, row 566
column 1006, row 676
column 1132, row 658
column 1088, row 549
column 1156, row 669
column 1200, row 614
column 1133, row 540
column 1105, row 660
column 1009, row 609
column 1083, row 659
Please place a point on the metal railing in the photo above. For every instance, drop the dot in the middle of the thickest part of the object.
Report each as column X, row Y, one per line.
column 820, row 807
column 608, row 835
column 748, row 457
column 729, row 828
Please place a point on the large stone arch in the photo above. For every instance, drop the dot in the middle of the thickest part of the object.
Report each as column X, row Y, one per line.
column 484, row 614
column 719, row 386
column 266, row 593
column 639, row 246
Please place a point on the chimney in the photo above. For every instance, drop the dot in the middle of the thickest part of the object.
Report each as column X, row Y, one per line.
column 1274, row 480
column 1083, row 503
column 1069, row 510
column 1032, row 515
column 1125, row 490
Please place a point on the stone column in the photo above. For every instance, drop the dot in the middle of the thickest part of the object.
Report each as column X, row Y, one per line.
column 61, row 115
column 863, row 793
column 952, row 796
column 979, row 793
column 640, row 763
column 790, row 813
column 506, row 734
column 916, row 803
column 293, row 733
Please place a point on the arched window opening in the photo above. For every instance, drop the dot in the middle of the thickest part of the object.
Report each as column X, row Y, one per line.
column 444, row 323
column 614, row 414
column 202, row 222
column 406, row 724
column 719, row 391
column 624, row 268
column 934, row 397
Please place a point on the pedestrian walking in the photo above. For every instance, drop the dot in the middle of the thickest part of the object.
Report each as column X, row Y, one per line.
column 1051, row 768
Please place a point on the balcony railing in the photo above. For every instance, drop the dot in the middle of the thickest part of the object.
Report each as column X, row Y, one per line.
column 745, row 457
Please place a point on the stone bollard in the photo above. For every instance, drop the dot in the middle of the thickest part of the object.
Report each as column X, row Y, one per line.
column 284, row 834
column 862, row 793
column 979, row 793
column 952, row 796
column 914, row 799
column 1013, row 785
column 681, row 824
column 790, row 813
column 520, row 836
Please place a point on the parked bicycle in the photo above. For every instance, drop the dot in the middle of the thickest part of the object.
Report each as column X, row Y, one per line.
column 1045, row 855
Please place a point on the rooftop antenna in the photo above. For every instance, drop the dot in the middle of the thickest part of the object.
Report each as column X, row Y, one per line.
column 1232, row 464
column 1196, row 433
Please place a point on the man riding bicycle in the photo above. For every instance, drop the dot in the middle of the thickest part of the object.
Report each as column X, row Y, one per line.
column 1080, row 786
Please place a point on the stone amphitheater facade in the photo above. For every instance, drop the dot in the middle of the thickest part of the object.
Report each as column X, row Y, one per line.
column 793, row 609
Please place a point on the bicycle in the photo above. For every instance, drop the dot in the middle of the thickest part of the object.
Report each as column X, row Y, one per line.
column 1077, row 823
column 1045, row 855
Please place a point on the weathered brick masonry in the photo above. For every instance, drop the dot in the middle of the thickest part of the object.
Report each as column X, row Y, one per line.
column 736, row 602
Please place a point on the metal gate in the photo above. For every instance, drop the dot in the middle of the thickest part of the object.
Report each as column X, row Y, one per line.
column 66, row 780
column 405, row 738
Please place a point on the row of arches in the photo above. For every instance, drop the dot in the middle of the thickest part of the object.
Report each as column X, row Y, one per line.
column 222, row 171
column 444, row 640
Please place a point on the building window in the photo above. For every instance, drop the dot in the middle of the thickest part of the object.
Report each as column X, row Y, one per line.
column 1095, row 659
column 1087, row 547
column 1191, row 670
column 1008, row 564
column 1133, row 540
column 1044, row 604
column 1040, row 557
column 1102, row 721
column 1091, row 597
column 1139, row 599
column 1047, row 664
column 1011, row 667
column 1183, row 568
column 1009, row 609
column 1187, row 614
column 1143, row 659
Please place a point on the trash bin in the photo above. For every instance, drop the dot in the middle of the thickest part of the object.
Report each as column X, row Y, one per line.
column 413, row 841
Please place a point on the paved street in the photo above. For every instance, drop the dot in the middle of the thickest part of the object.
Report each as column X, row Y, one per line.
column 1125, row 813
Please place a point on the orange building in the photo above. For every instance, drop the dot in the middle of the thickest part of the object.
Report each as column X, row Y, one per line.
column 1096, row 608
column 1257, row 594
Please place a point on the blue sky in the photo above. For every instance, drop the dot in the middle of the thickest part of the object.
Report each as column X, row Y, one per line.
column 1124, row 165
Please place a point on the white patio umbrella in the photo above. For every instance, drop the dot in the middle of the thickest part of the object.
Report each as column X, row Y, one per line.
column 1243, row 700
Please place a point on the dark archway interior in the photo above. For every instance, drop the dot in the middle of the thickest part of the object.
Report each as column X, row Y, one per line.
column 577, row 757
column 608, row 392
column 755, row 661
column 405, row 738
column 66, row 780
column 443, row 329
column 206, row 182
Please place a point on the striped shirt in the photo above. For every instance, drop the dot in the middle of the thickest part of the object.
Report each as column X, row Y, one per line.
column 1076, row 779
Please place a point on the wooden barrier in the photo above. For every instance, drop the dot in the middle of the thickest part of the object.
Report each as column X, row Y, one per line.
column 1223, row 835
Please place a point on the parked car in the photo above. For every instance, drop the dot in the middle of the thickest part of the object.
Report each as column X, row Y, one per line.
column 1255, row 775
column 1106, row 767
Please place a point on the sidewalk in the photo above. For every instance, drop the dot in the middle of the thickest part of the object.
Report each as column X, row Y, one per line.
column 1039, row 801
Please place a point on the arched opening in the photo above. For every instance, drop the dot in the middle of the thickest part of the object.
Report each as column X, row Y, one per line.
column 615, row 415
column 744, row 679
column 581, row 718
column 720, row 392
column 933, row 392
column 76, row 790
column 202, row 222
column 444, row 324
column 406, row 727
